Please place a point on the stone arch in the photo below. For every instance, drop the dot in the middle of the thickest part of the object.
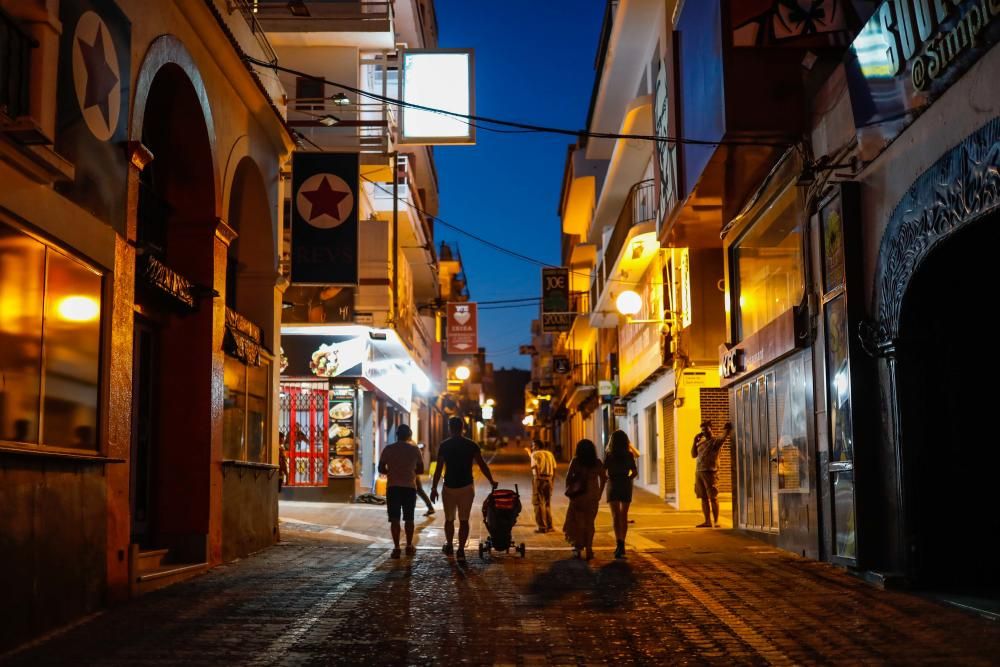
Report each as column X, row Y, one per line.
column 960, row 188
column 253, row 261
column 167, row 50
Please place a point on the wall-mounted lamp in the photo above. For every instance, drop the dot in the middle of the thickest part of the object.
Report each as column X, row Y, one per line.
column 463, row 373
column 629, row 303
column 340, row 99
column 329, row 120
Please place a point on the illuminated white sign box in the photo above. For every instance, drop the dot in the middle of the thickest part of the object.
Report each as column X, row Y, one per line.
column 439, row 79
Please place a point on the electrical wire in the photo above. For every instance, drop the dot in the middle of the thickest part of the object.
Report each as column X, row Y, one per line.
column 527, row 127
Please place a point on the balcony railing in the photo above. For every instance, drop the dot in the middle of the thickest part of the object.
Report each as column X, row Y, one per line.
column 248, row 8
column 640, row 207
column 324, row 15
column 15, row 66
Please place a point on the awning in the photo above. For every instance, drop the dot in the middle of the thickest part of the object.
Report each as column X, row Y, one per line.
column 242, row 339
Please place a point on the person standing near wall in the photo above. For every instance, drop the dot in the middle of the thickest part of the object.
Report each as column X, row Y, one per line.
column 706, row 450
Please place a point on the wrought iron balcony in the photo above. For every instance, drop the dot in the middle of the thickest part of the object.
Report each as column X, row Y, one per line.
column 640, row 207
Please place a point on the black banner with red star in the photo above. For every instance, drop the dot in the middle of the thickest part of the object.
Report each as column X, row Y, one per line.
column 93, row 103
column 325, row 218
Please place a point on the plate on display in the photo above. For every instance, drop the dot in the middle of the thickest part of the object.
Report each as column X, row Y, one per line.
column 340, row 431
column 340, row 467
column 342, row 411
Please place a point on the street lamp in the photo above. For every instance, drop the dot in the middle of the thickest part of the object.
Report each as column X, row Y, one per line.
column 463, row 373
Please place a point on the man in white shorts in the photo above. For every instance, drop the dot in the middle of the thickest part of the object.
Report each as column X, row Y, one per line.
column 456, row 456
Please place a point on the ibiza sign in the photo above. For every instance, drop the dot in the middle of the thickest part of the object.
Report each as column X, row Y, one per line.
column 462, row 328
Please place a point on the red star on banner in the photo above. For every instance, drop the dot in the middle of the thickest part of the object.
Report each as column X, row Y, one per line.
column 101, row 79
column 325, row 200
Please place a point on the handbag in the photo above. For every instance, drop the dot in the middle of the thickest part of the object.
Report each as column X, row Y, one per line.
column 576, row 486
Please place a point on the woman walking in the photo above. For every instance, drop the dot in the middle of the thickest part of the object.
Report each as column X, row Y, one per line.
column 585, row 482
column 619, row 464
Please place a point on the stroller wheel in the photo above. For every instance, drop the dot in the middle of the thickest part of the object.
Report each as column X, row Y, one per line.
column 520, row 549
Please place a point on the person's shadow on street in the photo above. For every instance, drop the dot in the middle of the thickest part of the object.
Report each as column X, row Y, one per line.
column 605, row 588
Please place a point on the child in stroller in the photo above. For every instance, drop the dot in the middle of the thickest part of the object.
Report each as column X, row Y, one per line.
column 500, row 510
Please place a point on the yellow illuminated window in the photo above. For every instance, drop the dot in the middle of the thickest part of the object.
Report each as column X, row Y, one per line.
column 769, row 265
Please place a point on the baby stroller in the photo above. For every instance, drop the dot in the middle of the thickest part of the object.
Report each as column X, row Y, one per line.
column 500, row 510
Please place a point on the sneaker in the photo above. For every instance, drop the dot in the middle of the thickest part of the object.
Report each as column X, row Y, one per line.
column 411, row 550
column 460, row 555
column 446, row 550
column 395, row 553
column 576, row 553
column 430, row 510
column 620, row 552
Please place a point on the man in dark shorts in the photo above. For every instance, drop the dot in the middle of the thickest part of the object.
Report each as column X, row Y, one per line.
column 401, row 463
column 706, row 477
column 456, row 456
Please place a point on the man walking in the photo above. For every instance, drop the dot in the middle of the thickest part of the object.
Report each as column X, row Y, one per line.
column 706, row 450
column 543, row 469
column 456, row 456
column 401, row 463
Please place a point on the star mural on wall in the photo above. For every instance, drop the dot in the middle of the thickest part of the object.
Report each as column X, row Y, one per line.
column 101, row 79
column 325, row 200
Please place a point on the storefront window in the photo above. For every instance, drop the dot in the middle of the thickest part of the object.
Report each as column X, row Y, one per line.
column 244, row 412
column 50, row 340
column 769, row 265
column 22, row 281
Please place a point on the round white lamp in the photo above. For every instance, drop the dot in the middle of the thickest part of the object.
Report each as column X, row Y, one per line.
column 628, row 303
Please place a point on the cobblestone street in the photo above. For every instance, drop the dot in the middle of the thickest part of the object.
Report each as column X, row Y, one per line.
column 329, row 594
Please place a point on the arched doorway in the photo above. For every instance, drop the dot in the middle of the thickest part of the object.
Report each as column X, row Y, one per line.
column 173, row 336
column 947, row 394
column 252, row 265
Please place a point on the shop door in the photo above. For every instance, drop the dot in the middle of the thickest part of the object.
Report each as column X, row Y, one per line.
column 652, row 446
column 757, row 460
column 145, row 397
column 303, row 419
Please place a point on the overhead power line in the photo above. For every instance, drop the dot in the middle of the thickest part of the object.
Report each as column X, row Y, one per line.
column 526, row 127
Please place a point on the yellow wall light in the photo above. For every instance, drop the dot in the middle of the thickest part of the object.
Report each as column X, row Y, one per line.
column 79, row 309
column 629, row 303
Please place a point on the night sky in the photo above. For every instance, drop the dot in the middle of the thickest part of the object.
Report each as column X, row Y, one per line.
column 534, row 63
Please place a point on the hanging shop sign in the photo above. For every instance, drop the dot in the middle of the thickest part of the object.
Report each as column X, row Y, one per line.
column 666, row 153
column 908, row 54
column 325, row 218
column 620, row 410
column 556, row 315
column 92, row 106
column 442, row 79
column 462, row 328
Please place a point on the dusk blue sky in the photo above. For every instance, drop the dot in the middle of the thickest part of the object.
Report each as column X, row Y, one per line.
column 534, row 63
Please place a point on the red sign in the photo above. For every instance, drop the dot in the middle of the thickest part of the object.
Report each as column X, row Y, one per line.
column 461, row 329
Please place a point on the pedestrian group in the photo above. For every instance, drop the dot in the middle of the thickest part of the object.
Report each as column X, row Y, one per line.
column 586, row 481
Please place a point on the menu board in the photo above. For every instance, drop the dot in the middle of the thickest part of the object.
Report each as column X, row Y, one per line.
column 342, row 434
